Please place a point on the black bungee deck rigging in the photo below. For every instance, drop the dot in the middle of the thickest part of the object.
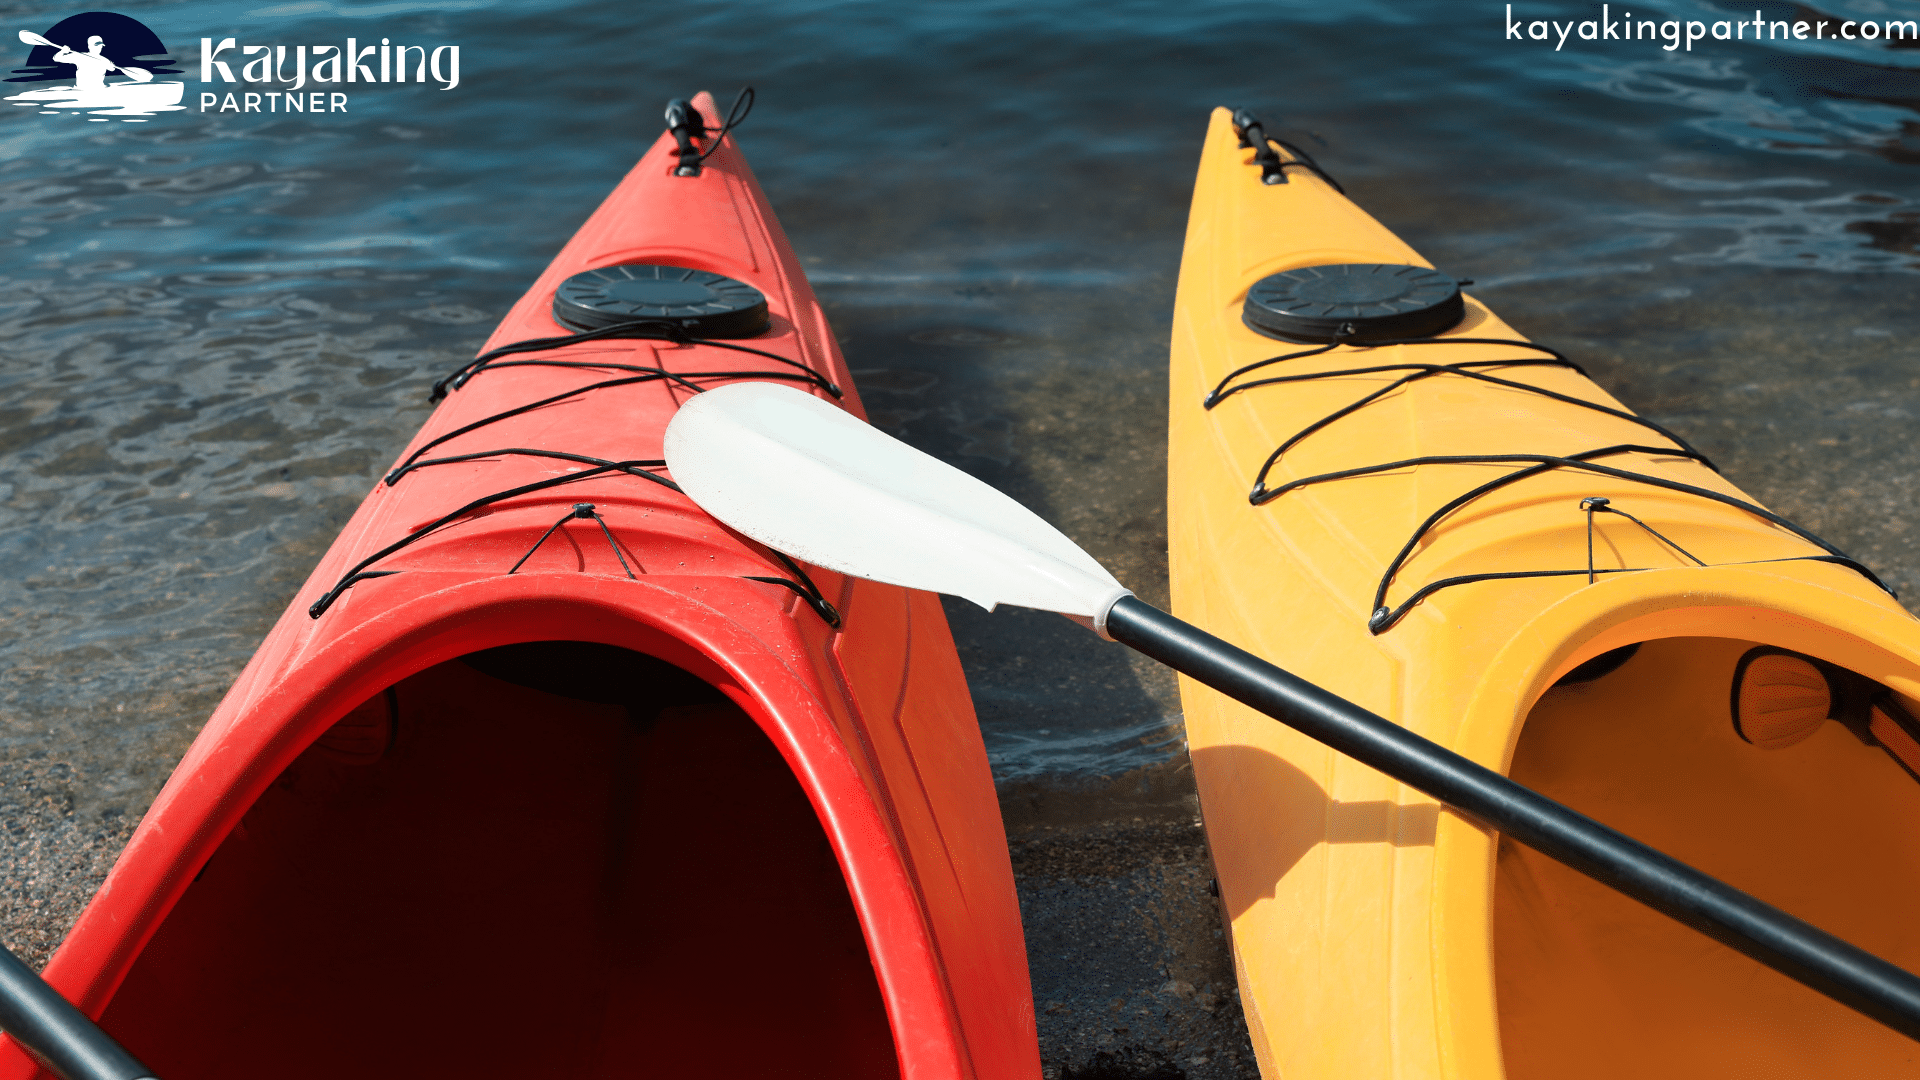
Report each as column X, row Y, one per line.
column 1361, row 331
column 661, row 326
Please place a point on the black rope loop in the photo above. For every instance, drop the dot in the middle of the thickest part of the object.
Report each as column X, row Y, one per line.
column 580, row 510
column 631, row 468
column 1261, row 494
column 1465, row 369
column 1384, row 616
column 458, row 377
column 1597, row 504
column 1383, row 619
column 805, row 587
column 1226, row 390
column 1273, row 167
column 801, row 583
column 320, row 606
column 1221, row 392
column 644, row 330
column 1543, row 463
column 405, row 466
column 686, row 126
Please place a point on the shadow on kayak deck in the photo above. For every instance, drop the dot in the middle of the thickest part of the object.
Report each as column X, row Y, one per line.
column 555, row 859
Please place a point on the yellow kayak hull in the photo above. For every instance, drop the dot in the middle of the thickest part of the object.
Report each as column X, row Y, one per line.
column 1376, row 934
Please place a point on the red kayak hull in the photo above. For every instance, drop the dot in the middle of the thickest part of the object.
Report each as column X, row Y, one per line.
column 379, row 858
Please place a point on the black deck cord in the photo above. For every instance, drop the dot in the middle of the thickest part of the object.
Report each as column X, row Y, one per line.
column 360, row 572
column 653, row 375
column 804, row 585
column 457, row 378
column 641, row 331
column 638, row 467
column 1222, row 392
column 1383, row 617
column 1260, row 494
column 393, row 477
column 682, row 377
column 685, row 124
column 1219, row 392
column 1273, row 171
column 517, row 410
column 1596, row 504
column 1388, row 619
column 1253, row 134
column 580, row 510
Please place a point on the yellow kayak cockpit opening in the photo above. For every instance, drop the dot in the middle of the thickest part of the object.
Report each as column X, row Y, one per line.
column 1592, row 984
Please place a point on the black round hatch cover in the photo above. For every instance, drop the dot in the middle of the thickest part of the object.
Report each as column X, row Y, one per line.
column 700, row 303
column 1373, row 301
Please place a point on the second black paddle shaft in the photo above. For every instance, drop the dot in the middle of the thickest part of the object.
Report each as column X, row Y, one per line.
column 41, row 1020
column 1796, row 949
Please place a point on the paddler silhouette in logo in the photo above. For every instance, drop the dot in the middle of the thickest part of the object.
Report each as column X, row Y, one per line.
column 88, row 48
column 89, row 68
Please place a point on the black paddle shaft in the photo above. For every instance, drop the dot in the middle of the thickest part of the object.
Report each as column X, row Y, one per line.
column 1800, row 951
column 58, row 1034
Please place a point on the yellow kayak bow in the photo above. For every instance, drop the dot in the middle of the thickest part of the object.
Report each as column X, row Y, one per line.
column 1428, row 515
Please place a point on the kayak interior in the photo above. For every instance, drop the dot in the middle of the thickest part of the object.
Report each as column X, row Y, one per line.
column 1592, row 984
column 558, row 859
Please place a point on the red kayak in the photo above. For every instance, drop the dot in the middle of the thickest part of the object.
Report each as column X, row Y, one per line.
column 547, row 774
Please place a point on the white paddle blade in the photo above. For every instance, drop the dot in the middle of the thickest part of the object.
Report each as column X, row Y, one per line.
column 805, row 477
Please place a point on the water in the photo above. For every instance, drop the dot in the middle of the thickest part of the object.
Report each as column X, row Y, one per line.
column 217, row 327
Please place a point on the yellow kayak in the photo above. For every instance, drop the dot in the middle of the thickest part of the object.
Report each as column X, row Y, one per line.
column 1378, row 485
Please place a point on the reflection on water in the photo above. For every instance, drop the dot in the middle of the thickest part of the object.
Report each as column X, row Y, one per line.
column 218, row 328
column 132, row 102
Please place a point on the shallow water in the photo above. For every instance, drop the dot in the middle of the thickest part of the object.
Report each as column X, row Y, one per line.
column 218, row 327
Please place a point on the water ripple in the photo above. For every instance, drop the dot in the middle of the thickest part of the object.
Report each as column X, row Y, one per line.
column 216, row 328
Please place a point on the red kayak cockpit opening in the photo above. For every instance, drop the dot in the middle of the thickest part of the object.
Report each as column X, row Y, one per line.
column 552, row 859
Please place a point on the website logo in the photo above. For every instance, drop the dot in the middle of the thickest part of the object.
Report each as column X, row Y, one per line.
column 301, row 71
column 108, row 65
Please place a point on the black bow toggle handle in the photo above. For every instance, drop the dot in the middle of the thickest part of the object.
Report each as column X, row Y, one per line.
column 1254, row 134
column 685, row 125
column 1273, row 170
